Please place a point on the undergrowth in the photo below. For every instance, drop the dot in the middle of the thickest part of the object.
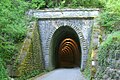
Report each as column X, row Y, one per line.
column 109, row 50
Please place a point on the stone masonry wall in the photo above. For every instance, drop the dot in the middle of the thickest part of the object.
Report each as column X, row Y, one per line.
column 30, row 57
column 81, row 20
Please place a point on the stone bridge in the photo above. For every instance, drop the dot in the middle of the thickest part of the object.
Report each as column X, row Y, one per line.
column 65, row 35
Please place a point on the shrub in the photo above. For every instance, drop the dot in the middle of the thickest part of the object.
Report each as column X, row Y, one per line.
column 110, row 15
column 12, row 31
column 3, row 74
column 12, row 26
column 38, row 4
column 108, row 51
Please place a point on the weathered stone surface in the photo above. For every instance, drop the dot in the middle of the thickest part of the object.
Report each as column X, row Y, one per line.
column 81, row 20
column 110, row 73
column 65, row 13
column 30, row 56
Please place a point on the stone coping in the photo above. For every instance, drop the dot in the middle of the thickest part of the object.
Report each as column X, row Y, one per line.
column 64, row 13
column 68, row 9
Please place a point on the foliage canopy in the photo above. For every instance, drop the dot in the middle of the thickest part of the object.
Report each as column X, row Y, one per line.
column 12, row 26
column 12, row 30
column 38, row 4
column 110, row 15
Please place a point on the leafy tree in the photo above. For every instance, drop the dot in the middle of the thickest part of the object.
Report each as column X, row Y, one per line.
column 12, row 26
column 38, row 4
column 12, row 30
column 110, row 16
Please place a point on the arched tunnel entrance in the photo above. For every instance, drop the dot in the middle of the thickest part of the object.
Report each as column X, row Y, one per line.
column 68, row 55
column 65, row 48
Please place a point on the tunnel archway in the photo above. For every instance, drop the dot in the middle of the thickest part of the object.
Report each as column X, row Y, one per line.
column 65, row 48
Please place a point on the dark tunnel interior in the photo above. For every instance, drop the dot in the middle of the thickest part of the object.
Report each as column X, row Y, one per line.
column 65, row 48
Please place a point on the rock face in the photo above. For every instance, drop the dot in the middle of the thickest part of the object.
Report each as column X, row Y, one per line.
column 80, row 20
column 109, row 58
column 112, row 72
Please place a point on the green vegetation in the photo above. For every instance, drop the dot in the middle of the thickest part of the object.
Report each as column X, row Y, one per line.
column 110, row 15
column 87, row 71
column 3, row 73
column 13, row 28
column 108, row 54
column 32, row 73
column 38, row 4
column 110, row 20
column 109, row 49
column 33, row 57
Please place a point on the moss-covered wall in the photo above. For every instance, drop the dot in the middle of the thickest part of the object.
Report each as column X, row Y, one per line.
column 30, row 58
column 109, row 58
column 37, row 51
column 90, row 69
column 87, row 71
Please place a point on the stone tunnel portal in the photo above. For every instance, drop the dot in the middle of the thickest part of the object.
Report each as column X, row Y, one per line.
column 65, row 48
